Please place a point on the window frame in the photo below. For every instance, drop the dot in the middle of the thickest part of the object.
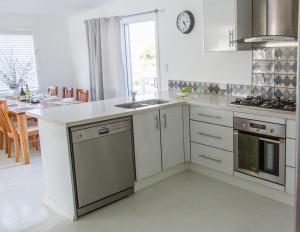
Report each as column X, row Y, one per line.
column 28, row 32
column 124, row 24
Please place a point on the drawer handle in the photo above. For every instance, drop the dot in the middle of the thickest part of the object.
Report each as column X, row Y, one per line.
column 209, row 116
column 211, row 136
column 211, row 159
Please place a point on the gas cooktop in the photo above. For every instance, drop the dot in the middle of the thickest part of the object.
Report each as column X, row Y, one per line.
column 276, row 104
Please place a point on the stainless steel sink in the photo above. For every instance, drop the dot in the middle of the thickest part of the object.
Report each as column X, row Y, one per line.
column 140, row 104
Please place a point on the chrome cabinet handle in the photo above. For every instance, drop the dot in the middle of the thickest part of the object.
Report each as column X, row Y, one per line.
column 157, row 122
column 165, row 121
column 270, row 140
column 209, row 116
column 211, row 136
column 208, row 158
column 231, row 38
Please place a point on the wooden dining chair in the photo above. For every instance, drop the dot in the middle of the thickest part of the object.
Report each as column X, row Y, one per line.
column 2, row 136
column 67, row 92
column 53, row 91
column 12, row 134
column 82, row 95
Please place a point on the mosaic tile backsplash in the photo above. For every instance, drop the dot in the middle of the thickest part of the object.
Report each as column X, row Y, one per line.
column 274, row 75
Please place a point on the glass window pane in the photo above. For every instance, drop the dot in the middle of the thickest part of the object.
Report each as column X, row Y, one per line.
column 143, row 57
column 17, row 53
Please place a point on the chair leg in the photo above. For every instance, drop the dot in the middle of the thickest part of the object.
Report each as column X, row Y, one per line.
column 17, row 151
column 1, row 140
column 33, row 141
column 8, row 146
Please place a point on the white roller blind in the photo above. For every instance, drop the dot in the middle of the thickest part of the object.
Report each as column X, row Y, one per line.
column 19, row 48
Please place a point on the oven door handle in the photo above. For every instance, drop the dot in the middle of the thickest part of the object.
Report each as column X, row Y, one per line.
column 270, row 140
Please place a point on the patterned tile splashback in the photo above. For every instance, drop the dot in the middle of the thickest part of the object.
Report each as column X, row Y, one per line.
column 274, row 73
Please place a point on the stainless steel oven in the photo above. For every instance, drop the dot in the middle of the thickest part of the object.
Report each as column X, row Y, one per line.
column 259, row 149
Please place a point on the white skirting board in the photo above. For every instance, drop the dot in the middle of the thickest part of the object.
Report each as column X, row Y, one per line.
column 245, row 184
column 140, row 185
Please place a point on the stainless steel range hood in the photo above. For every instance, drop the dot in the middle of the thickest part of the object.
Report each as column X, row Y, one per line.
column 273, row 21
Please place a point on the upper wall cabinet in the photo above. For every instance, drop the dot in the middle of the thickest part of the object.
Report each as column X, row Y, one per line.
column 226, row 21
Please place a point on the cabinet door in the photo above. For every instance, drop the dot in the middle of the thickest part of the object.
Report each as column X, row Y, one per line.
column 290, row 180
column 172, row 136
column 219, row 25
column 146, row 129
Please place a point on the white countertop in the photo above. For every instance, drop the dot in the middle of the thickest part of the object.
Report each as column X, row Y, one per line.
column 78, row 114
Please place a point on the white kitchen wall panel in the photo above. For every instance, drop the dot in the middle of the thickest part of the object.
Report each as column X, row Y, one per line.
column 183, row 54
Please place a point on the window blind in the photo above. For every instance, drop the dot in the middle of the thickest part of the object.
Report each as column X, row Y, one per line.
column 17, row 47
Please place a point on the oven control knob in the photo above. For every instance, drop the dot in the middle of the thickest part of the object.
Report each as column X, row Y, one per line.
column 245, row 125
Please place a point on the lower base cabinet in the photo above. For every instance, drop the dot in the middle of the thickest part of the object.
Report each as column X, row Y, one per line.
column 172, row 137
column 158, row 140
column 290, row 180
column 213, row 158
column 146, row 131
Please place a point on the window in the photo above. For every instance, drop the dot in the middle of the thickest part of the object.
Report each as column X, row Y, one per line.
column 141, row 53
column 17, row 53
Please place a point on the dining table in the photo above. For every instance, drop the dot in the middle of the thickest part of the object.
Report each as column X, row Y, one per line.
column 18, row 110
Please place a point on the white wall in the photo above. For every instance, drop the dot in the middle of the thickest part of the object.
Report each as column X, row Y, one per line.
column 183, row 53
column 51, row 39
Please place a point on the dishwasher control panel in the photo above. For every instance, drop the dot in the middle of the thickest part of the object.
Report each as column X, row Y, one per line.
column 95, row 130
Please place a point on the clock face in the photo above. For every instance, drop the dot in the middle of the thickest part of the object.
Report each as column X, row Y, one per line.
column 185, row 22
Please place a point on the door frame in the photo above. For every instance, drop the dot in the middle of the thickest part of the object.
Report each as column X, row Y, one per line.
column 124, row 24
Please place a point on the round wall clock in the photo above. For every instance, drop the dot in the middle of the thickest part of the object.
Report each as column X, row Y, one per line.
column 186, row 22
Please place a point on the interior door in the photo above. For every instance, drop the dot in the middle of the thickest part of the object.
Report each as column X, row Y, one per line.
column 147, row 144
column 172, row 136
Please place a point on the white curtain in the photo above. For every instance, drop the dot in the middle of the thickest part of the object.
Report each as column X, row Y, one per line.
column 105, row 54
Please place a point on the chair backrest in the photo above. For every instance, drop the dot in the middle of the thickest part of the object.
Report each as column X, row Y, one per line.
column 82, row 95
column 6, row 120
column 53, row 91
column 67, row 92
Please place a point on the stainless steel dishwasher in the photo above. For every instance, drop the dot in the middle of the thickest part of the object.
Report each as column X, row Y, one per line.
column 103, row 163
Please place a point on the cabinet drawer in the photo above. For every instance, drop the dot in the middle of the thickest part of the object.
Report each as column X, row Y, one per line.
column 213, row 158
column 291, row 129
column 219, row 117
column 212, row 135
column 290, row 180
column 291, row 152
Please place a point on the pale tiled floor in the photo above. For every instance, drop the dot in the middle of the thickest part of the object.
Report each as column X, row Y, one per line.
column 21, row 193
column 187, row 202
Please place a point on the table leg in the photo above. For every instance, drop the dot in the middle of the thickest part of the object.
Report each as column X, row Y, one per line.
column 23, row 134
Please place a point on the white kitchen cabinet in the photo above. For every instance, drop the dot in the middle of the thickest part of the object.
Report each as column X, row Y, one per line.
column 212, row 135
column 213, row 158
column 172, row 136
column 290, row 180
column 291, row 129
column 291, row 152
column 158, row 140
column 146, row 129
column 226, row 21
column 219, row 117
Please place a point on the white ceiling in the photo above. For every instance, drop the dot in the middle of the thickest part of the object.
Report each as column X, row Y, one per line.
column 47, row 6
